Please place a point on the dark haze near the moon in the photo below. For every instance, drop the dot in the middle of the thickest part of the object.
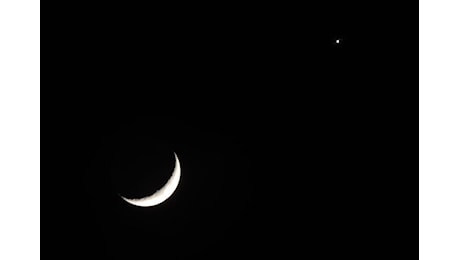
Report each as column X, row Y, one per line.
column 212, row 198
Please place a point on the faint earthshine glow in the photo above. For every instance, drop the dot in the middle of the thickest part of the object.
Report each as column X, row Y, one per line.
column 162, row 194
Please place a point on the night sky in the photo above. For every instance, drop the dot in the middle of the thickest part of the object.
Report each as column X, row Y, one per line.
column 291, row 145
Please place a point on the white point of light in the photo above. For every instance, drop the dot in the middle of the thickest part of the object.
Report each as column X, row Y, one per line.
column 162, row 194
column 337, row 41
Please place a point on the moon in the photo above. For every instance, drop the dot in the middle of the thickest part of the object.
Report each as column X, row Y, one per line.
column 162, row 194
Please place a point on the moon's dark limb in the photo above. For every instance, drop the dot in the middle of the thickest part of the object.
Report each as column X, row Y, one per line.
column 140, row 166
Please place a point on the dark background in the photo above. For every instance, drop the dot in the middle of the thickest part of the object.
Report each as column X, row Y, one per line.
column 290, row 145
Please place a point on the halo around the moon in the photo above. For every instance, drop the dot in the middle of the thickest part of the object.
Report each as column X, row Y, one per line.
column 162, row 194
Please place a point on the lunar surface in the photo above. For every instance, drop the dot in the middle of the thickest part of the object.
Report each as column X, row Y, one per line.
column 162, row 194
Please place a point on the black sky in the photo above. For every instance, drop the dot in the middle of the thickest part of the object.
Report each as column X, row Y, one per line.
column 291, row 145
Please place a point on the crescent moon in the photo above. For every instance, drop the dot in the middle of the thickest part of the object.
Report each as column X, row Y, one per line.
column 162, row 194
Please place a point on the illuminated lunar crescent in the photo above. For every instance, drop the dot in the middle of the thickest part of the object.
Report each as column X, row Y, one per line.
column 162, row 194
